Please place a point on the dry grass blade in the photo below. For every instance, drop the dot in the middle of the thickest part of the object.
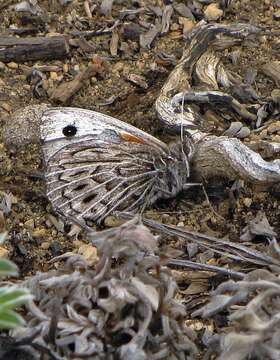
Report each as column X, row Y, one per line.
column 230, row 249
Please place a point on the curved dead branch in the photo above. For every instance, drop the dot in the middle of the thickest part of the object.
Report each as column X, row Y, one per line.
column 200, row 79
column 230, row 158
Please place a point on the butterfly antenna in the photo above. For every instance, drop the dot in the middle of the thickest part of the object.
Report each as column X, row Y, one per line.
column 181, row 129
column 182, row 133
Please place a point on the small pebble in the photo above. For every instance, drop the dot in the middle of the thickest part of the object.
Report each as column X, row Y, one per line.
column 275, row 94
column 247, row 202
column 39, row 233
column 263, row 39
column 56, row 248
column 2, row 66
column 192, row 249
column 112, row 221
column 174, row 26
column 243, row 133
column 53, row 75
column 45, row 245
column 4, row 253
column 213, row 12
column 89, row 252
column 273, row 128
column 65, row 68
column 276, row 15
column 78, row 243
column 12, row 65
column 188, row 24
column 7, row 107
column 29, row 224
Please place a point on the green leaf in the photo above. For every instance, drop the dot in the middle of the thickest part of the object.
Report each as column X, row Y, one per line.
column 11, row 297
column 3, row 236
column 10, row 319
column 8, row 268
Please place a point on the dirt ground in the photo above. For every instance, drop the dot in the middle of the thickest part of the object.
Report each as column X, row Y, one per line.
column 35, row 232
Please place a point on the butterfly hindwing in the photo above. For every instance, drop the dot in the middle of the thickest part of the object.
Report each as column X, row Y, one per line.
column 96, row 164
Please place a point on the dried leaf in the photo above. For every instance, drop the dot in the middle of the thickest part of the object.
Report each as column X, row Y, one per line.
column 147, row 291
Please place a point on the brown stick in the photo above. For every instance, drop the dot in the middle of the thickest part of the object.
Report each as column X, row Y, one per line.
column 6, row 4
column 64, row 92
column 30, row 49
column 272, row 70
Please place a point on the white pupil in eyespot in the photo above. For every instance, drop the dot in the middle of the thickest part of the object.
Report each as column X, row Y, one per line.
column 69, row 130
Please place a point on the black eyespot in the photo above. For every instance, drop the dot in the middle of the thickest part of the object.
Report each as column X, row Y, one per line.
column 69, row 130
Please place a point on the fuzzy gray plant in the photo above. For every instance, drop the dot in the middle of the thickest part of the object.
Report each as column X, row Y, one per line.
column 125, row 308
column 253, row 305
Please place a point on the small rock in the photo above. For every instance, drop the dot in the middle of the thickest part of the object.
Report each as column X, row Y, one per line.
column 4, row 253
column 53, row 75
column 138, row 80
column 247, row 202
column 39, row 233
column 263, row 39
column 275, row 94
column 5, row 106
column 12, row 65
column 276, row 15
column 263, row 134
column 131, row 32
column 65, row 68
column 78, row 243
column 233, row 129
column 118, row 67
column 165, row 218
column 273, row 128
column 276, row 138
column 45, row 245
column 74, row 230
column 243, row 133
column 56, row 248
column 174, row 27
column 89, row 252
column 52, row 33
column 2, row 66
column 112, row 221
column 213, row 12
column 77, row 67
column 2, row 83
column 29, row 224
column 181, row 224
column 188, row 25
column 192, row 249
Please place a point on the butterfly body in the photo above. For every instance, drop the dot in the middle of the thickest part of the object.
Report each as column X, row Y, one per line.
column 96, row 164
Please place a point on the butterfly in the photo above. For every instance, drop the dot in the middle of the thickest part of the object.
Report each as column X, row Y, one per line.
column 96, row 164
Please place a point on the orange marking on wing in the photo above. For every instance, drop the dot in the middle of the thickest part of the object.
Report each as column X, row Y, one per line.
column 131, row 138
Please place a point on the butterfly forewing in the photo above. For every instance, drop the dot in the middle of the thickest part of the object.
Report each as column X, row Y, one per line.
column 96, row 164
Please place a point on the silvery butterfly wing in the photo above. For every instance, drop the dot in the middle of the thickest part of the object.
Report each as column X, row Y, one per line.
column 96, row 164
